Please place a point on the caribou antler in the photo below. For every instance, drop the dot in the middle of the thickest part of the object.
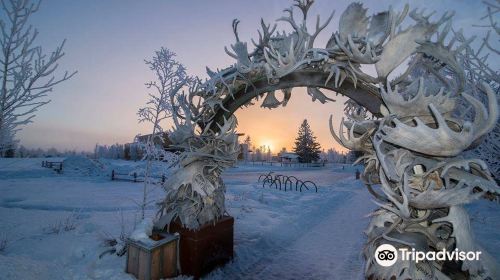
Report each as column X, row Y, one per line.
column 353, row 143
column 264, row 37
column 316, row 94
column 404, row 44
column 405, row 105
column 443, row 141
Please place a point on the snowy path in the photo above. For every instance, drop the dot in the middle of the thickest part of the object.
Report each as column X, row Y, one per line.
column 331, row 246
column 322, row 240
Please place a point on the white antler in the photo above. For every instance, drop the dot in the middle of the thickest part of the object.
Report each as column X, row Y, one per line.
column 443, row 140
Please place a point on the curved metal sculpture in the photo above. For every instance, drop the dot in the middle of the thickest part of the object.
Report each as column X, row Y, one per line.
column 286, row 181
column 411, row 146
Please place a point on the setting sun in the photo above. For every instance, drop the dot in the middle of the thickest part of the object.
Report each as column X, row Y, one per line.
column 278, row 128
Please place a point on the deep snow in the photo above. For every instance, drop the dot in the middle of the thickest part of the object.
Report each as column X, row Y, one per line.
column 54, row 223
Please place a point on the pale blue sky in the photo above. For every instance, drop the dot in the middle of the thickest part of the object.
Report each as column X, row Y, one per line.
column 107, row 41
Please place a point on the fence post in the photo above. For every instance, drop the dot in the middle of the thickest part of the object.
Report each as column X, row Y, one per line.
column 163, row 178
column 135, row 177
column 113, row 175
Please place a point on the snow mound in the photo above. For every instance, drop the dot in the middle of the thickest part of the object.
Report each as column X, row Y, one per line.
column 143, row 230
column 79, row 165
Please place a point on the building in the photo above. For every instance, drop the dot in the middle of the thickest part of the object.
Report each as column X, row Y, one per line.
column 164, row 136
column 288, row 157
column 133, row 151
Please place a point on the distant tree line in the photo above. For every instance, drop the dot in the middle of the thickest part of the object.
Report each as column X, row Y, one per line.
column 132, row 151
column 23, row 152
column 251, row 153
column 333, row 156
column 262, row 153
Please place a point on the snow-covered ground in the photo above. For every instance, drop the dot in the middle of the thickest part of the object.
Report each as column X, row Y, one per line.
column 54, row 223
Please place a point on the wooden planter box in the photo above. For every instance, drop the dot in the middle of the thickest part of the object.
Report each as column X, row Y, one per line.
column 206, row 248
column 153, row 260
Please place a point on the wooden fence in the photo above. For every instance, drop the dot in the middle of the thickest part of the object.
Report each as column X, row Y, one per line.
column 134, row 177
column 55, row 165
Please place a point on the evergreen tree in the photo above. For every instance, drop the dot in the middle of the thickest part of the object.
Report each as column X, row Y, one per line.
column 306, row 145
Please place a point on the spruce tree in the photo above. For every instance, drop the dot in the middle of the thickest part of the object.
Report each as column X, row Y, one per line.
column 306, row 145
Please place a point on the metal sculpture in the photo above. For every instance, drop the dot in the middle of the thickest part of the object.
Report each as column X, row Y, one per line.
column 285, row 181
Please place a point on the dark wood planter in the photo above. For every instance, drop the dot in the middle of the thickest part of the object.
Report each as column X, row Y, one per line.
column 153, row 260
column 206, row 248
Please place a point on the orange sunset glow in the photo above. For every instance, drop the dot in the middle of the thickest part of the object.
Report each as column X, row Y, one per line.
column 277, row 128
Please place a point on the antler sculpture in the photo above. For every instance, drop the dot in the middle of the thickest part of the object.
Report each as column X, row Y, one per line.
column 413, row 149
column 413, row 153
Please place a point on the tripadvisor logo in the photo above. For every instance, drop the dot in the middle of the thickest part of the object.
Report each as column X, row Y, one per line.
column 387, row 255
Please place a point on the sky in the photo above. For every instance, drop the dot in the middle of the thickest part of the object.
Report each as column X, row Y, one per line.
column 107, row 42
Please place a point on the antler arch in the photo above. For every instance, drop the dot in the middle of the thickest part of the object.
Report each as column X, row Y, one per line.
column 366, row 95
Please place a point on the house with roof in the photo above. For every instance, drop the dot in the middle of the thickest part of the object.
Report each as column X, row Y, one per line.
column 288, row 157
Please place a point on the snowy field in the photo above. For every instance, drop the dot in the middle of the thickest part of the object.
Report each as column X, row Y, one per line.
column 54, row 224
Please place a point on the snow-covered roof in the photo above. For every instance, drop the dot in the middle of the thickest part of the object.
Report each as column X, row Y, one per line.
column 289, row 155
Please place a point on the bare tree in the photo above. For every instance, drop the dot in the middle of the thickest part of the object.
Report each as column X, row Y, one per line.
column 477, row 70
column 476, row 60
column 26, row 73
column 170, row 78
